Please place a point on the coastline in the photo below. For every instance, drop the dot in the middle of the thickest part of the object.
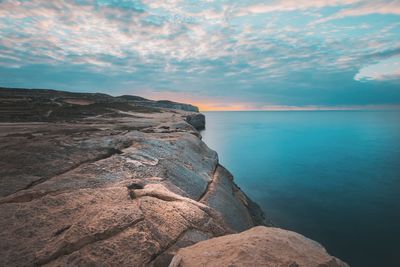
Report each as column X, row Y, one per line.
column 118, row 181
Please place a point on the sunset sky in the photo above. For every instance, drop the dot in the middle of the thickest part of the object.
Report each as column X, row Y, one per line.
column 220, row 55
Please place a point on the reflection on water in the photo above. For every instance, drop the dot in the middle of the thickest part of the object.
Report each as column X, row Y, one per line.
column 333, row 176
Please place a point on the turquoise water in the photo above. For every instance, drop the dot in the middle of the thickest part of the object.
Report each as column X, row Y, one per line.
column 333, row 176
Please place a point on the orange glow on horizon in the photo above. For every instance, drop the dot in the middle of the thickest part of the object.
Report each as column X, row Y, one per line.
column 211, row 105
column 223, row 107
column 247, row 107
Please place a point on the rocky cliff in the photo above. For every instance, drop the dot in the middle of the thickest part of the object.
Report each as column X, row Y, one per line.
column 95, row 180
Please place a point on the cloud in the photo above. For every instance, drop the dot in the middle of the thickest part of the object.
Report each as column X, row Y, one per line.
column 61, row 31
column 387, row 69
column 248, row 48
column 135, row 5
column 366, row 8
column 125, row 35
column 292, row 5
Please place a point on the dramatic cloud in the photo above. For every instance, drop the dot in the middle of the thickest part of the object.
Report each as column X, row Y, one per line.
column 280, row 52
column 367, row 8
column 388, row 69
column 291, row 5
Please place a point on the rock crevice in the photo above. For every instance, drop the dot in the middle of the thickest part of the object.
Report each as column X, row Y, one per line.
column 67, row 248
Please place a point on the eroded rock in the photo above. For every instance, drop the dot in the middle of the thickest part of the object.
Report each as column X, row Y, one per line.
column 259, row 246
column 110, row 183
column 93, row 180
column 197, row 120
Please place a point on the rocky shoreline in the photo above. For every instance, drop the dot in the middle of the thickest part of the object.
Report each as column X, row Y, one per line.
column 95, row 180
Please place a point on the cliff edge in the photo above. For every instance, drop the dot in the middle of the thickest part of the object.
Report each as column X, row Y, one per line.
column 91, row 179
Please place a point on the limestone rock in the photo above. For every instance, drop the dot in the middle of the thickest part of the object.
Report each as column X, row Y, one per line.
column 198, row 120
column 259, row 246
column 91, row 180
column 95, row 180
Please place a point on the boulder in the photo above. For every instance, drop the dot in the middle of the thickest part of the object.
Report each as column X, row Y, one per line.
column 259, row 246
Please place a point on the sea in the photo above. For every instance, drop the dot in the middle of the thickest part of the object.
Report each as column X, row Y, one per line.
column 333, row 176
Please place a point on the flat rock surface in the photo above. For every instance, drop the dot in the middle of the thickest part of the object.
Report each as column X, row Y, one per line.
column 259, row 246
column 93, row 180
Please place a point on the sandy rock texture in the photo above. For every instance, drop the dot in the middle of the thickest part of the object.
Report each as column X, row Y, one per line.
column 95, row 180
column 259, row 246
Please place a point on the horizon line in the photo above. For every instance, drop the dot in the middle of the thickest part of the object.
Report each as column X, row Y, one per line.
column 365, row 108
column 283, row 110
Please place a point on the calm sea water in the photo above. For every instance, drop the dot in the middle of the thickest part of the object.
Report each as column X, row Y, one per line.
column 333, row 176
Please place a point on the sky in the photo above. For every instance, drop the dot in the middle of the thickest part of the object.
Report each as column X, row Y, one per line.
column 219, row 55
